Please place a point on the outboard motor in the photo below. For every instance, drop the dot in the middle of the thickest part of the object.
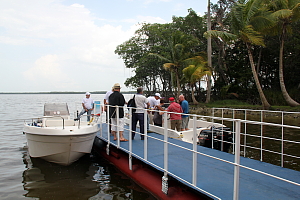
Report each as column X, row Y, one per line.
column 221, row 136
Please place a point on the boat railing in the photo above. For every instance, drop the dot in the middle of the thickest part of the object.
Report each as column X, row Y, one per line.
column 237, row 132
column 41, row 121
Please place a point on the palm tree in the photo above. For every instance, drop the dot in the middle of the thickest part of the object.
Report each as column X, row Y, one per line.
column 179, row 45
column 196, row 70
column 285, row 12
column 247, row 18
column 209, row 51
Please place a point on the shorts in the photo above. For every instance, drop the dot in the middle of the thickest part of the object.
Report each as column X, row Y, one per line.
column 185, row 123
column 176, row 124
column 114, row 124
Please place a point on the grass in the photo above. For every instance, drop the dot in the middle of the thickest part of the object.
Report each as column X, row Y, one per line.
column 243, row 105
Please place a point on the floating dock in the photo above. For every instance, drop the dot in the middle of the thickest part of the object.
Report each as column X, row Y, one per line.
column 195, row 172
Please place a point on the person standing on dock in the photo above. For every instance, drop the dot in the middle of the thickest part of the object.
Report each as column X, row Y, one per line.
column 175, row 118
column 141, row 103
column 157, row 117
column 87, row 105
column 105, row 101
column 185, row 108
column 153, row 101
column 117, row 99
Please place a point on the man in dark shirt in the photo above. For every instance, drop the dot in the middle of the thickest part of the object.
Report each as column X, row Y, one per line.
column 117, row 99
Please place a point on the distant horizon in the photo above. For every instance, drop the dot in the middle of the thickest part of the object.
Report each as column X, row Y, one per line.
column 64, row 92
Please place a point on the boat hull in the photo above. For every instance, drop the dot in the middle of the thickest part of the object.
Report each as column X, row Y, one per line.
column 60, row 146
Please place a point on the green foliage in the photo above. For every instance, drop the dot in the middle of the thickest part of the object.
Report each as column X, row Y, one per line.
column 156, row 47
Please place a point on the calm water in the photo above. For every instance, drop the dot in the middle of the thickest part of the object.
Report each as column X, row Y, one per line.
column 22, row 177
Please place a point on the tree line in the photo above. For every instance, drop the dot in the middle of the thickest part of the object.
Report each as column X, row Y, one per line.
column 255, row 54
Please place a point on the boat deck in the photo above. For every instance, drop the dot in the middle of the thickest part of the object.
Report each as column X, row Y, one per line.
column 215, row 176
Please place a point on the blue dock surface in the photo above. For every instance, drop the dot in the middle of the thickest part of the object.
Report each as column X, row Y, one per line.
column 214, row 176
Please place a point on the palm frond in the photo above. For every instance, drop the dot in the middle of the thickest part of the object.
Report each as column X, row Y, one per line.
column 296, row 13
column 227, row 37
column 251, row 8
column 169, row 66
column 283, row 14
column 249, row 35
column 159, row 57
column 263, row 20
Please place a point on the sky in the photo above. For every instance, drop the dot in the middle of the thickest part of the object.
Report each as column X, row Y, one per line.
column 68, row 45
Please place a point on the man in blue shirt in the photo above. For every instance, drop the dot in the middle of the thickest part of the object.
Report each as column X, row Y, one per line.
column 185, row 118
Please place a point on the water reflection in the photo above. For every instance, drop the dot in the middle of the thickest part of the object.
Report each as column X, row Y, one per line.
column 89, row 178
column 46, row 180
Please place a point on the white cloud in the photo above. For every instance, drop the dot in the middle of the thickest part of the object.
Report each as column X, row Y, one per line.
column 77, row 5
column 155, row 1
column 49, row 45
column 47, row 71
column 86, row 47
column 179, row 6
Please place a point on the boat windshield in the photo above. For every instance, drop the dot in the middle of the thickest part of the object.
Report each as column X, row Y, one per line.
column 56, row 109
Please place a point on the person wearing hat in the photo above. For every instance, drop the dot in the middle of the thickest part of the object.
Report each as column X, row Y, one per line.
column 153, row 101
column 87, row 105
column 175, row 118
column 117, row 99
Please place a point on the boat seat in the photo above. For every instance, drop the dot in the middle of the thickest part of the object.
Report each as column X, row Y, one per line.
column 51, row 123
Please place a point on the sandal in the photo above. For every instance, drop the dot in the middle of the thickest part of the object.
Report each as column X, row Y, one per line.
column 124, row 140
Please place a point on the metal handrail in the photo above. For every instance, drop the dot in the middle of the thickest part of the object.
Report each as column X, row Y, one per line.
column 44, row 117
column 237, row 132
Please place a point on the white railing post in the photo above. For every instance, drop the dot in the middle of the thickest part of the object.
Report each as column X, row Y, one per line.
column 245, row 134
column 237, row 160
column 108, row 134
column 213, row 114
column 261, row 136
column 195, row 150
column 145, row 135
column 233, row 128
column 101, row 122
column 165, row 177
column 222, row 137
column 118, row 128
column 108, row 125
column 282, row 138
column 130, row 138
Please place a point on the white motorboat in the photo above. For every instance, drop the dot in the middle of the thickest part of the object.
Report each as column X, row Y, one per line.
column 209, row 134
column 57, row 138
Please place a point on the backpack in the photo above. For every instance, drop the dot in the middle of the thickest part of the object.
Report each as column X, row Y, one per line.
column 131, row 103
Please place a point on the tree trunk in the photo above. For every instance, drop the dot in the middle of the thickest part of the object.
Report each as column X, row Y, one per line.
column 263, row 99
column 209, row 51
column 178, row 84
column 193, row 95
column 285, row 94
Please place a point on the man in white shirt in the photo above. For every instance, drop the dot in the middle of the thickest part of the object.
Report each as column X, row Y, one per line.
column 106, row 97
column 87, row 105
column 154, row 101
column 141, row 103
column 105, row 101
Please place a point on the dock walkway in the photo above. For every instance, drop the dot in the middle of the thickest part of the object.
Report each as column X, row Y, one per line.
column 214, row 176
